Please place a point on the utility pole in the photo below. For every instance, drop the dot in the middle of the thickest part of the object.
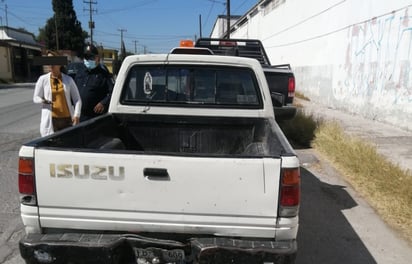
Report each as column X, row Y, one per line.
column 135, row 46
column 91, row 22
column 7, row 20
column 5, row 10
column 200, row 25
column 121, row 34
column 228, row 19
column 122, row 47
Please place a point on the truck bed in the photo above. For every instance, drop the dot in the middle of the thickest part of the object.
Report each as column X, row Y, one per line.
column 169, row 174
column 173, row 135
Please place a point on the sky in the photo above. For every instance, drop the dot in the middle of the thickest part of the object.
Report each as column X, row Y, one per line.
column 152, row 25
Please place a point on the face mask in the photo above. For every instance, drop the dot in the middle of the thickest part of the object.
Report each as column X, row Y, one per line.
column 90, row 64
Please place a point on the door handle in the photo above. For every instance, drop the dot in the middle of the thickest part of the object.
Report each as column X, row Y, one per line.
column 156, row 174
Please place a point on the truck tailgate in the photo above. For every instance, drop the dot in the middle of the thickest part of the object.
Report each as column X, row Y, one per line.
column 131, row 192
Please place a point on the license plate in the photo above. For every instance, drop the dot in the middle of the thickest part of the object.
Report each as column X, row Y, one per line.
column 158, row 255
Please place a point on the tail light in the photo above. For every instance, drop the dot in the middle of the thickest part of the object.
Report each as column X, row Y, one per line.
column 291, row 87
column 289, row 192
column 26, row 181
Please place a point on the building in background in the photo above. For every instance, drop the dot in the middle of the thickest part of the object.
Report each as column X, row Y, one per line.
column 220, row 27
column 351, row 55
column 17, row 50
column 109, row 57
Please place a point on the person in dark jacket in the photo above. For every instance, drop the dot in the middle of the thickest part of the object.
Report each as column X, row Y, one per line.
column 95, row 84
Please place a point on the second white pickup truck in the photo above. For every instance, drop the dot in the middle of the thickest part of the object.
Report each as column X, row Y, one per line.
column 188, row 166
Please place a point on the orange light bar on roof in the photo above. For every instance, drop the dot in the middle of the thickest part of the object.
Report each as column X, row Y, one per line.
column 187, row 43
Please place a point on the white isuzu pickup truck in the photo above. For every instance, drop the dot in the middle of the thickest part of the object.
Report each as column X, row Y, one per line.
column 188, row 166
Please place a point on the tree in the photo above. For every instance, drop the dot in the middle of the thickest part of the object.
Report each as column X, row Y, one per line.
column 64, row 25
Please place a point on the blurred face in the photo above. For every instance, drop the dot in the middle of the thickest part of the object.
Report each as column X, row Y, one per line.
column 55, row 69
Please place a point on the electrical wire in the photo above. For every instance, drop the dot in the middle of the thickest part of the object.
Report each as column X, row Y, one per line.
column 208, row 14
column 20, row 19
column 337, row 30
column 305, row 20
column 242, row 4
column 128, row 8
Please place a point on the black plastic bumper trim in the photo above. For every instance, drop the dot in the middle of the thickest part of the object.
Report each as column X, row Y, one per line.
column 120, row 248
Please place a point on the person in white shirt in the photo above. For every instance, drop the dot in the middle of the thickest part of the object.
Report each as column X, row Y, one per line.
column 60, row 99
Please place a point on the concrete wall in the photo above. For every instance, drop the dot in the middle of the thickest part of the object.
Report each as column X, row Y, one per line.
column 350, row 54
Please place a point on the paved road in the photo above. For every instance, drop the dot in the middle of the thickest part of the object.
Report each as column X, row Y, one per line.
column 336, row 225
column 19, row 119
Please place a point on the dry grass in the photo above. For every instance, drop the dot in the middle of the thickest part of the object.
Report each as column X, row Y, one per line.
column 386, row 187
column 301, row 96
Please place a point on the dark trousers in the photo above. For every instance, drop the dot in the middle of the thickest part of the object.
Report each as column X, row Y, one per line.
column 60, row 123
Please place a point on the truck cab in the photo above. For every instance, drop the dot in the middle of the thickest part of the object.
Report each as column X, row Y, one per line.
column 280, row 78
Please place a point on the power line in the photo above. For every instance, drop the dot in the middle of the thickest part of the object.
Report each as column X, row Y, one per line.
column 5, row 9
column 217, row 2
column 208, row 14
column 305, row 20
column 128, row 8
column 239, row 6
column 336, row 30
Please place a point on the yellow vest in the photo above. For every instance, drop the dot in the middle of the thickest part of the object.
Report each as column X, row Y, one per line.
column 60, row 108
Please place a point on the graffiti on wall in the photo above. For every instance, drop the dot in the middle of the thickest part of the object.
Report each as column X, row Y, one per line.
column 378, row 62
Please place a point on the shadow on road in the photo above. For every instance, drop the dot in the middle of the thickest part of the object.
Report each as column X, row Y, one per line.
column 325, row 236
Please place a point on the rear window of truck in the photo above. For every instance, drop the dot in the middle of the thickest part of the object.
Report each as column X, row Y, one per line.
column 191, row 85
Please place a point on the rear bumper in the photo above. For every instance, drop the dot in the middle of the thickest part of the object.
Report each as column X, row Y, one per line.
column 110, row 248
